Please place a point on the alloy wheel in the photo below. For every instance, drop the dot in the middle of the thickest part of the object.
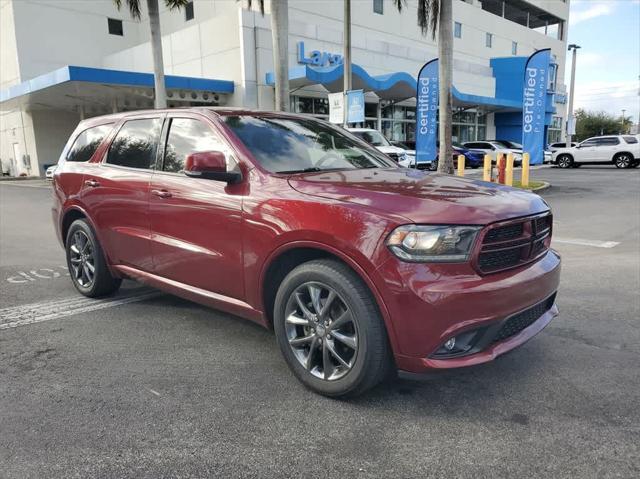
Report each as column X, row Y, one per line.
column 564, row 162
column 321, row 331
column 623, row 161
column 82, row 260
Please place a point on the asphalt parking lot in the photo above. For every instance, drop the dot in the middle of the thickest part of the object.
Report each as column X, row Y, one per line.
column 149, row 385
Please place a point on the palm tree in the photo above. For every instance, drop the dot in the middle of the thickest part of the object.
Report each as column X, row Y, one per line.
column 156, row 40
column 280, row 40
column 437, row 15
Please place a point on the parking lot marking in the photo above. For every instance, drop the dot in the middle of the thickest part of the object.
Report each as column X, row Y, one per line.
column 15, row 316
column 585, row 242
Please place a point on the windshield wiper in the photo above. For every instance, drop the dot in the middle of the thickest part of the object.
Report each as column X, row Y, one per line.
column 304, row 170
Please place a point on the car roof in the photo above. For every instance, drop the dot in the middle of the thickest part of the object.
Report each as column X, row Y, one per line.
column 361, row 129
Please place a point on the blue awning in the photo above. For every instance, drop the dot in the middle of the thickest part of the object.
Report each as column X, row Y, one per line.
column 393, row 86
column 104, row 77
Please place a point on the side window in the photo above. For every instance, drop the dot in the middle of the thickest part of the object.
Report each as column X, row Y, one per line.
column 632, row 140
column 87, row 143
column 187, row 136
column 589, row 143
column 608, row 142
column 136, row 144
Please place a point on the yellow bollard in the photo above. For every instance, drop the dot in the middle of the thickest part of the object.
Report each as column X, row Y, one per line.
column 486, row 175
column 508, row 180
column 460, row 165
column 525, row 170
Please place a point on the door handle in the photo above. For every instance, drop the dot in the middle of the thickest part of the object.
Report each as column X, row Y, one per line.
column 161, row 193
column 92, row 183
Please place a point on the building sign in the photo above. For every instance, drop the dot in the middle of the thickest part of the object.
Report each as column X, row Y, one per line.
column 534, row 99
column 355, row 106
column 427, row 113
column 336, row 107
column 318, row 58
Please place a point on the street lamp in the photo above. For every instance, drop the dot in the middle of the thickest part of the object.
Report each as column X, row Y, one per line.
column 623, row 130
column 570, row 120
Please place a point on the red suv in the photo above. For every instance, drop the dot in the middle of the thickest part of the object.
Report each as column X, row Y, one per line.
column 359, row 266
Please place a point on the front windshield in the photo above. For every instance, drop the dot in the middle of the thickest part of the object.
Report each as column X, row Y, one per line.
column 373, row 137
column 294, row 145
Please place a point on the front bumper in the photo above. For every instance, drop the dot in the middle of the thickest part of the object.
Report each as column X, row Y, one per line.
column 430, row 303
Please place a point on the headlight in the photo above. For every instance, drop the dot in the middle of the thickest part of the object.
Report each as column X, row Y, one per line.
column 438, row 244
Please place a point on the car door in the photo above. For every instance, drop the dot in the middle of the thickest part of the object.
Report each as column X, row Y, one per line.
column 606, row 148
column 116, row 192
column 586, row 151
column 195, row 222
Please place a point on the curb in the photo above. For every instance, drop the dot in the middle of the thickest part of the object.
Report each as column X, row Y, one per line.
column 545, row 186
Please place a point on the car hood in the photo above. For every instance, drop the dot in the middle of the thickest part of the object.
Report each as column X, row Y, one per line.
column 390, row 149
column 421, row 197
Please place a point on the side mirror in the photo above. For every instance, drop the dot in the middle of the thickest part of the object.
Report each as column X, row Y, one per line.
column 578, row 145
column 210, row 165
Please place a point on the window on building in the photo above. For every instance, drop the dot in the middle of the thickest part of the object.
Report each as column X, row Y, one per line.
column 87, row 143
column 115, row 26
column 378, row 6
column 457, row 30
column 188, row 12
column 186, row 136
column 136, row 144
column 489, row 40
column 514, row 48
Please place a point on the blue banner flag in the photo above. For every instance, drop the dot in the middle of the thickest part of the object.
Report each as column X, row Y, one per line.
column 534, row 99
column 427, row 113
column 355, row 106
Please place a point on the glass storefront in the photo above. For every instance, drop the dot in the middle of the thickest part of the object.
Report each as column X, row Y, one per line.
column 554, row 132
column 398, row 121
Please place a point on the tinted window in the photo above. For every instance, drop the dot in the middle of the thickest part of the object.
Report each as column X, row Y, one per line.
column 589, row 143
column 136, row 144
column 115, row 26
column 608, row 141
column 87, row 143
column 187, row 136
column 287, row 145
column 630, row 139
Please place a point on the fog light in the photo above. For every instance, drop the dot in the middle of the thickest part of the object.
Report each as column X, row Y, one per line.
column 449, row 345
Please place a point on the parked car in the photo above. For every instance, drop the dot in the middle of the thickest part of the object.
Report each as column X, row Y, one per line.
column 494, row 148
column 620, row 150
column 472, row 158
column 48, row 174
column 360, row 267
column 379, row 141
column 563, row 144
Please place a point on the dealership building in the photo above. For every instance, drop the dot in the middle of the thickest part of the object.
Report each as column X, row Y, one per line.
column 66, row 60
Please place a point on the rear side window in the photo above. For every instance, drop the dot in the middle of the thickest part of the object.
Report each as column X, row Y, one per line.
column 136, row 144
column 608, row 141
column 186, row 136
column 630, row 139
column 87, row 143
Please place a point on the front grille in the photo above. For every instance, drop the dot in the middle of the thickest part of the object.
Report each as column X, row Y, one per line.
column 511, row 244
column 520, row 321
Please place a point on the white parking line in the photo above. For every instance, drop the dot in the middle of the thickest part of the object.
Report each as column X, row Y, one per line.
column 585, row 242
column 47, row 310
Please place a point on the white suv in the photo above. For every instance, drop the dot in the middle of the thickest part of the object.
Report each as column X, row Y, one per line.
column 620, row 150
column 378, row 140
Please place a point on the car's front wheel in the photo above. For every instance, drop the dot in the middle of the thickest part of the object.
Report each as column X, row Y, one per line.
column 85, row 260
column 565, row 161
column 329, row 329
column 623, row 160
column 433, row 166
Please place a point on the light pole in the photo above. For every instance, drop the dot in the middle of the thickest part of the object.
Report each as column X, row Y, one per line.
column 346, row 57
column 622, row 130
column 570, row 120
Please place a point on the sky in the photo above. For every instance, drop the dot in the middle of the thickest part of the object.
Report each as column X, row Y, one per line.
column 608, row 65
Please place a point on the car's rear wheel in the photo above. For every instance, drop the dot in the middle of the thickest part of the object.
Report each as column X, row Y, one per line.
column 433, row 166
column 565, row 161
column 329, row 329
column 623, row 160
column 85, row 260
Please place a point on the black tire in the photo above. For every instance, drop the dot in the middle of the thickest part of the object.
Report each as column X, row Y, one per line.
column 433, row 166
column 565, row 161
column 623, row 160
column 102, row 283
column 371, row 362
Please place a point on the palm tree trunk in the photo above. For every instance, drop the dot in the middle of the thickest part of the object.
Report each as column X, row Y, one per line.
column 445, row 73
column 280, row 40
column 156, row 48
